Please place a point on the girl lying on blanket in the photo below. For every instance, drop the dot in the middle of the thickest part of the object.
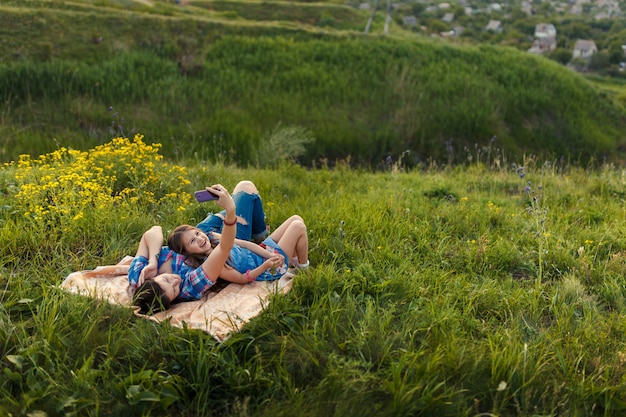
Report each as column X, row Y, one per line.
column 193, row 262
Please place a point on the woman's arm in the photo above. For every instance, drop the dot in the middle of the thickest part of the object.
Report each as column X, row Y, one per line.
column 150, row 247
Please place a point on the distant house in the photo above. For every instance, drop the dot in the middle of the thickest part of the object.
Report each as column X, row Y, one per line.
column 365, row 6
column 448, row 17
column 494, row 7
column 458, row 30
column 545, row 39
column 609, row 4
column 545, row 30
column 584, row 49
column 543, row 45
column 409, row 20
column 494, row 26
column 444, row 6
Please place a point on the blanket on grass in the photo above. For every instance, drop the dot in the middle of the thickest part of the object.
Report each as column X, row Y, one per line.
column 220, row 312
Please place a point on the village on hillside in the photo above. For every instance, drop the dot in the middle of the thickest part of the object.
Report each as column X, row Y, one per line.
column 587, row 35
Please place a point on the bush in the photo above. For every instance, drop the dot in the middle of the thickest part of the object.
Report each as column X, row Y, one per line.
column 283, row 143
column 69, row 189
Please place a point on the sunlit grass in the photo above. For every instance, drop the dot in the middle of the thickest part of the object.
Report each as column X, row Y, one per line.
column 438, row 292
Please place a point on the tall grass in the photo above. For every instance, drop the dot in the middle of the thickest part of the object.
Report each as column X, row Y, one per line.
column 360, row 98
column 431, row 292
column 315, row 14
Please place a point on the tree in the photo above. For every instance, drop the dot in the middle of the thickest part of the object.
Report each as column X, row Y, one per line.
column 437, row 26
column 561, row 55
column 616, row 53
column 599, row 61
column 417, row 9
column 458, row 10
column 525, row 25
column 575, row 30
column 546, row 8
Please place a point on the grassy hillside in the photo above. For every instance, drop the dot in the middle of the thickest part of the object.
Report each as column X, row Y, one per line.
column 202, row 79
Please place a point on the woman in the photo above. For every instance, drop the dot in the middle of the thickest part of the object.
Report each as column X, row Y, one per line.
column 153, row 266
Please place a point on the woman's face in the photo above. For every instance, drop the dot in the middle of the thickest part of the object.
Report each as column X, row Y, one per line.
column 170, row 284
column 196, row 242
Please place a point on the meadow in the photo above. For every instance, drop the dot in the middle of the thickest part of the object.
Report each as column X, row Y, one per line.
column 490, row 288
column 465, row 210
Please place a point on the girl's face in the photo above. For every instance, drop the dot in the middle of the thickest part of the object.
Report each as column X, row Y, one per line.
column 170, row 284
column 196, row 242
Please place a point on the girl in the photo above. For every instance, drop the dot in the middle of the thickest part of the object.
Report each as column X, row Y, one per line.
column 247, row 260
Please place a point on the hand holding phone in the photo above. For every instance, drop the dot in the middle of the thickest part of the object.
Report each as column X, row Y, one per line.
column 204, row 195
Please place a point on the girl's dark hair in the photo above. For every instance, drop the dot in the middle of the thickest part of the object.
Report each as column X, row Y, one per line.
column 150, row 298
column 175, row 243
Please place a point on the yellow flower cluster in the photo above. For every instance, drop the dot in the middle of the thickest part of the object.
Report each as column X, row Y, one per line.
column 69, row 185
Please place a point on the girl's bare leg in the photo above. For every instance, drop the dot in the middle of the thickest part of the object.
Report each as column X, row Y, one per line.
column 295, row 241
column 278, row 233
column 246, row 186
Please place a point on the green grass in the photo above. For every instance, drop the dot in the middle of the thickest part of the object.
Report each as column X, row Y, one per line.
column 334, row 16
column 214, row 83
column 448, row 292
column 386, row 96
column 450, row 283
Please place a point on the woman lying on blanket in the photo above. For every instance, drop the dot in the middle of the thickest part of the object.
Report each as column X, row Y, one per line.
column 194, row 262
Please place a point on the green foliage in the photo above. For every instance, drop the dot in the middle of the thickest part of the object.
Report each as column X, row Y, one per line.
column 64, row 193
column 283, row 143
column 315, row 14
column 203, row 86
column 451, row 292
column 561, row 55
column 599, row 61
column 411, row 96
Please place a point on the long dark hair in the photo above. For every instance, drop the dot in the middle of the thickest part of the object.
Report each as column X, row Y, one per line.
column 150, row 298
column 175, row 243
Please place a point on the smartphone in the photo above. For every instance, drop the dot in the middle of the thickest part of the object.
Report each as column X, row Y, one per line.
column 204, row 195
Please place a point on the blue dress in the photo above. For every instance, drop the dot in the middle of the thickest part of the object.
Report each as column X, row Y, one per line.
column 243, row 260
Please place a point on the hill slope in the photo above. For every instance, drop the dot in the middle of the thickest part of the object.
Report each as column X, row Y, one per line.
column 200, row 78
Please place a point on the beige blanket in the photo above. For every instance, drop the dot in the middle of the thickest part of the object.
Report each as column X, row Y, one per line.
column 219, row 312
